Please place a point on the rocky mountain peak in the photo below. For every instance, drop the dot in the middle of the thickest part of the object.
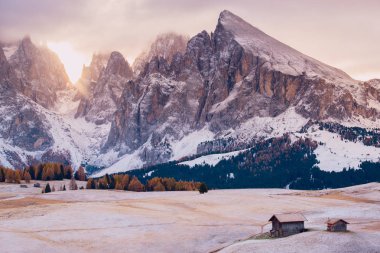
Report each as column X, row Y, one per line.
column 229, row 22
column 99, row 103
column 228, row 17
column 41, row 72
column 277, row 55
column 117, row 65
column 98, row 64
column 91, row 74
column 165, row 46
column 375, row 83
column 26, row 44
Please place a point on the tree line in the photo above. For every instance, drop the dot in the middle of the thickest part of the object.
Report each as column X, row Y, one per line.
column 57, row 171
column 353, row 134
column 132, row 183
column 273, row 163
column 43, row 171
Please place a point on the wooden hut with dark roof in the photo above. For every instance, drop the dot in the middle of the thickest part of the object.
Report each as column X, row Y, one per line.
column 287, row 224
column 337, row 225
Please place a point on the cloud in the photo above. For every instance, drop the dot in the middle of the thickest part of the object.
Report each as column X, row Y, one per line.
column 332, row 31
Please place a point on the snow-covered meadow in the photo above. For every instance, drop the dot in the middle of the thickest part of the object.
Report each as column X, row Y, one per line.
column 221, row 220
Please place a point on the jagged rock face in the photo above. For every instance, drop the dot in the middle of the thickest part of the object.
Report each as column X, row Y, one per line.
column 22, row 128
column 223, row 80
column 40, row 71
column 26, row 128
column 91, row 74
column 99, row 105
column 25, row 134
column 8, row 79
column 97, row 66
column 165, row 46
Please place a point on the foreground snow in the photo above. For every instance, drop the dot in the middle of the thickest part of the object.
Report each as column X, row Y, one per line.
column 113, row 221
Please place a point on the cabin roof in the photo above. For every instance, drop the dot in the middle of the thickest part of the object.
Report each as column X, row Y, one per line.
column 334, row 221
column 292, row 217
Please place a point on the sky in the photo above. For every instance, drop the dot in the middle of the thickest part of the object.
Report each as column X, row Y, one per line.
column 344, row 34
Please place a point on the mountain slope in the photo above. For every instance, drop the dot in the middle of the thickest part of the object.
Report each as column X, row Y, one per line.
column 30, row 132
column 236, row 83
column 223, row 93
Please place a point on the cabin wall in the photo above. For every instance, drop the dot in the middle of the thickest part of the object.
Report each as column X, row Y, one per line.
column 275, row 225
column 291, row 228
column 287, row 228
column 339, row 227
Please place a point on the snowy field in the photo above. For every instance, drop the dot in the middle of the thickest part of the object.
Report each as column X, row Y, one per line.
column 219, row 221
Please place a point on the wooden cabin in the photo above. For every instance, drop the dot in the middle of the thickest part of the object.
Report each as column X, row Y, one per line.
column 337, row 225
column 287, row 224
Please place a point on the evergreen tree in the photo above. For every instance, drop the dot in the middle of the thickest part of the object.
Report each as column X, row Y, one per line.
column 68, row 172
column 203, row 188
column 102, row 183
column 2, row 174
column 31, row 171
column 38, row 172
column 58, row 175
column 90, row 184
column 62, row 169
column 47, row 188
column 80, row 174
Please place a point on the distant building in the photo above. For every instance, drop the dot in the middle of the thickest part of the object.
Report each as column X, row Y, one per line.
column 336, row 225
column 287, row 224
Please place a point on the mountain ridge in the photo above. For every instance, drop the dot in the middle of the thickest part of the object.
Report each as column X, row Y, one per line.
column 232, row 87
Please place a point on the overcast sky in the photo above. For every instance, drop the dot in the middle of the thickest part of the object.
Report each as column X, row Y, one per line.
column 345, row 34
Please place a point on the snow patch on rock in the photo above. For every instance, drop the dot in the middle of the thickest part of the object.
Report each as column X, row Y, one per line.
column 188, row 144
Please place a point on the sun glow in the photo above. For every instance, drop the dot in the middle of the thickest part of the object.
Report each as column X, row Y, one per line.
column 72, row 59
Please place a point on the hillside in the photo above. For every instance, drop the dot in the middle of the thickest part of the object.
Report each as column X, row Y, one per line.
column 224, row 220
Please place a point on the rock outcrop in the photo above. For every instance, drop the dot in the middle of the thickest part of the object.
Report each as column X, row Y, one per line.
column 40, row 71
column 99, row 104
column 165, row 46
column 91, row 74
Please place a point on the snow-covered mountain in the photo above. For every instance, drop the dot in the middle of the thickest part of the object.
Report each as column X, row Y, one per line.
column 236, row 83
column 37, row 109
column 220, row 94
column 98, row 103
